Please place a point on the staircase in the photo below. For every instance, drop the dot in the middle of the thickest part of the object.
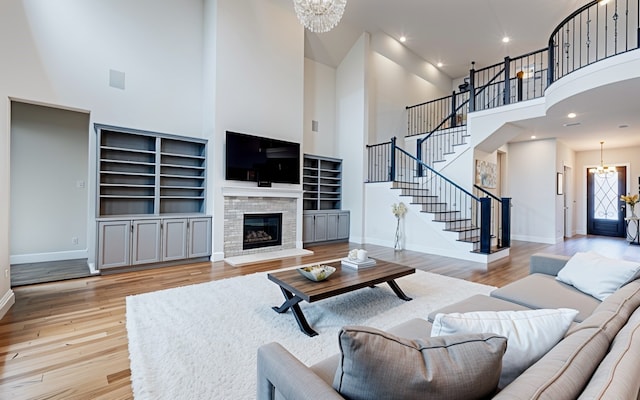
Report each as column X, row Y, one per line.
column 475, row 222
column 441, row 212
column 475, row 216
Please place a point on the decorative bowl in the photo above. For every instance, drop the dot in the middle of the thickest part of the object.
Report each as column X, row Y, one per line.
column 317, row 273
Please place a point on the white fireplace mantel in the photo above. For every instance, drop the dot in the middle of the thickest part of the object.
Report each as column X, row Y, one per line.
column 250, row 191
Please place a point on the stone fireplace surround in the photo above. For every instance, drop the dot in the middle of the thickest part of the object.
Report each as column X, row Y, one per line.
column 256, row 200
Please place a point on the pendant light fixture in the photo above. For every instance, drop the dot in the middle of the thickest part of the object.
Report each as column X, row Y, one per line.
column 602, row 170
column 319, row 15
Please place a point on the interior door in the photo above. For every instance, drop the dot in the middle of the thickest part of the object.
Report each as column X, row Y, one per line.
column 605, row 210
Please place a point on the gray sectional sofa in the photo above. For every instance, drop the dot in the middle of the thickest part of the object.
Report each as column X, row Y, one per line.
column 598, row 357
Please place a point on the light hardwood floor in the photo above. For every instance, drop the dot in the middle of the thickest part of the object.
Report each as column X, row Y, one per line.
column 67, row 340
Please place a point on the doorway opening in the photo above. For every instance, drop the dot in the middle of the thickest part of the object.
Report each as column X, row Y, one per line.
column 49, row 160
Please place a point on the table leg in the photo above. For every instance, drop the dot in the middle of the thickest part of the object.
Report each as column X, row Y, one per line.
column 291, row 302
column 396, row 289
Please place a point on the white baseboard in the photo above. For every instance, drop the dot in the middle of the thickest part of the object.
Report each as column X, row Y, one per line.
column 7, row 301
column 92, row 269
column 535, row 239
column 44, row 257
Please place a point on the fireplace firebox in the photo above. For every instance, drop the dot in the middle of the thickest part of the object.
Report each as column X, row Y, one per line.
column 261, row 230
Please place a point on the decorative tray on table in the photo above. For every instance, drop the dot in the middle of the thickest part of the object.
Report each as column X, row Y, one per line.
column 316, row 273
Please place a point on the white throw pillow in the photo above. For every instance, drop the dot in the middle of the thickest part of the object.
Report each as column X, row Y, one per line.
column 530, row 334
column 597, row 275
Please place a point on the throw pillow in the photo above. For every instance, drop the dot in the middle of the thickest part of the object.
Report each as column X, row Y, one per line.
column 530, row 334
column 378, row 365
column 597, row 275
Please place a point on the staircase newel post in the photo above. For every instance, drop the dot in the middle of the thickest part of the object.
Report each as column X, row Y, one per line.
column 485, row 225
column 506, row 222
column 472, row 87
column 507, row 80
column 453, row 109
column 392, row 158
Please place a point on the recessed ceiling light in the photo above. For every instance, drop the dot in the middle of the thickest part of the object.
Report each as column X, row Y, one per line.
column 403, row 39
column 571, row 115
column 505, row 39
column 533, row 136
column 439, row 65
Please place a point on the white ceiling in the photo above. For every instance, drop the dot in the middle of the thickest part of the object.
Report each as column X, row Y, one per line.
column 456, row 32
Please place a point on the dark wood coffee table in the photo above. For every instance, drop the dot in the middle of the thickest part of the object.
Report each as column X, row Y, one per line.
column 296, row 287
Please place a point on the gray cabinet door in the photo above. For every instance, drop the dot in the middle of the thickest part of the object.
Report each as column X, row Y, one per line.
column 199, row 244
column 308, row 229
column 145, row 246
column 320, row 227
column 332, row 226
column 343, row 225
column 174, row 239
column 114, row 238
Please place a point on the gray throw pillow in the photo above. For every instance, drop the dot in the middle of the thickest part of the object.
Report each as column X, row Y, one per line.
column 378, row 365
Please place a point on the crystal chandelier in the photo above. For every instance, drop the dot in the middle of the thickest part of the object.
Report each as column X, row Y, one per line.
column 602, row 169
column 319, row 15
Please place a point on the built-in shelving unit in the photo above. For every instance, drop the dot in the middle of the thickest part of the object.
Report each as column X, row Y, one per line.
column 182, row 176
column 151, row 198
column 323, row 219
column 322, row 183
column 144, row 173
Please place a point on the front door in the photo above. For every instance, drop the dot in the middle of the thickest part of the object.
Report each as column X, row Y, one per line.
column 605, row 210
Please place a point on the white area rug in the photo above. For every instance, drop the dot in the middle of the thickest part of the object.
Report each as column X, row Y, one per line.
column 200, row 341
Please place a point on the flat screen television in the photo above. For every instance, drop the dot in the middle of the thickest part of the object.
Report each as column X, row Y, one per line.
column 260, row 159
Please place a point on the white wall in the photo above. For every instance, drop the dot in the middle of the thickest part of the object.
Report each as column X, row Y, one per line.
column 49, row 171
column 532, row 187
column 352, row 128
column 259, row 86
column 60, row 53
column 393, row 88
column 398, row 78
column 320, row 106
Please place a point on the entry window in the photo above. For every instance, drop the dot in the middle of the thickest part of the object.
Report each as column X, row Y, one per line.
column 606, row 196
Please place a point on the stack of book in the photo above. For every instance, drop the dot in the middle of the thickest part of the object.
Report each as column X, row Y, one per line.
column 356, row 264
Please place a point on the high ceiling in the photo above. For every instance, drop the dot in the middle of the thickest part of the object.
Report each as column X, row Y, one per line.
column 456, row 32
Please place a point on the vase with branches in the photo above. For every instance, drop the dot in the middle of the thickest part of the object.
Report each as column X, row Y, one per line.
column 398, row 210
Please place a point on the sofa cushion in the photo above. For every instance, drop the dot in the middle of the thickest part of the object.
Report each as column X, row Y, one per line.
column 617, row 375
column 563, row 372
column 379, row 365
column 478, row 302
column 598, row 275
column 530, row 333
column 415, row 328
column 613, row 312
column 527, row 292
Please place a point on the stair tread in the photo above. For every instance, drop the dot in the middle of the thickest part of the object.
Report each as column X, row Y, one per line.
column 462, row 229
column 452, row 220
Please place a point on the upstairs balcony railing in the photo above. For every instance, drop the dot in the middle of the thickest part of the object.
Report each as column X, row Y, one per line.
column 597, row 31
